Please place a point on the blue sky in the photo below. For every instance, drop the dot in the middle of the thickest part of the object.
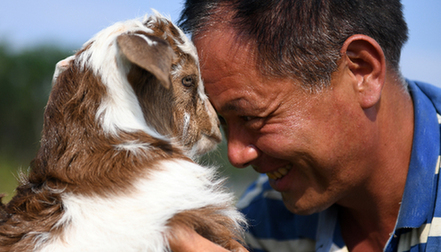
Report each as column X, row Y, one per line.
column 26, row 23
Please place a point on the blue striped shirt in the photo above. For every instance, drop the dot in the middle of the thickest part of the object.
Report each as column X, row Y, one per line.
column 418, row 228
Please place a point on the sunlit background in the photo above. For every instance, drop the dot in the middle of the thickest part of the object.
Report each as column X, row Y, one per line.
column 49, row 29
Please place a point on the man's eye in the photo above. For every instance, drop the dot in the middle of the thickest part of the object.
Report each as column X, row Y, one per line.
column 247, row 118
column 253, row 122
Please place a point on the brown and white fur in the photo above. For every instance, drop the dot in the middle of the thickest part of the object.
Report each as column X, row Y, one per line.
column 126, row 116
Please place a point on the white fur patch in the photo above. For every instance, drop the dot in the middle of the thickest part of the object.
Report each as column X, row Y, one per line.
column 133, row 146
column 147, row 40
column 119, row 109
column 136, row 222
column 187, row 118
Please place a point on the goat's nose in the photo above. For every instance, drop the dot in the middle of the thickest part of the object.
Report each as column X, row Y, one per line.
column 214, row 121
column 212, row 114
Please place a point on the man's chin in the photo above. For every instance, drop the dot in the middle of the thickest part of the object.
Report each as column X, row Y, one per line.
column 303, row 206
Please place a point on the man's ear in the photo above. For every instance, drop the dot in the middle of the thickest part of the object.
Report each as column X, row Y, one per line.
column 366, row 61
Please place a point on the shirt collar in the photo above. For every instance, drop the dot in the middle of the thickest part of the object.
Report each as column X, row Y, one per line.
column 417, row 203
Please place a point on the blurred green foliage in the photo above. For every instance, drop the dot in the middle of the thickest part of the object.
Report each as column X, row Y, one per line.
column 25, row 84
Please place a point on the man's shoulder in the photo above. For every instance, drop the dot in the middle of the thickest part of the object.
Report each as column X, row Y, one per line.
column 432, row 92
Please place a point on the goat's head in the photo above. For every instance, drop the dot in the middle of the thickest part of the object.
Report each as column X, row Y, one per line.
column 151, row 74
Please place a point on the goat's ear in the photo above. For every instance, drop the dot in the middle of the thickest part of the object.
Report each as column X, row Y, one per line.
column 150, row 53
column 60, row 67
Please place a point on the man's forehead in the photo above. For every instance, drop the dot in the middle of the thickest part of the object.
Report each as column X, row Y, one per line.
column 233, row 105
column 239, row 106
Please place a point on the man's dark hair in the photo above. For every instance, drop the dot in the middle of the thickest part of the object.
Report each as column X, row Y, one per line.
column 301, row 39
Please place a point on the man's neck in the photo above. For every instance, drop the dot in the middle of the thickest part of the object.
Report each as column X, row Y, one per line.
column 362, row 233
column 368, row 217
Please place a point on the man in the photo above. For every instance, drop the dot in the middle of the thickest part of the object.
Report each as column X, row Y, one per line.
column 310, row 94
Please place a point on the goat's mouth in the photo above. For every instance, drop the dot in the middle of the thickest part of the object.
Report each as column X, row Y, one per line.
column 216, row 137
column 206, row 143
column 210, row 139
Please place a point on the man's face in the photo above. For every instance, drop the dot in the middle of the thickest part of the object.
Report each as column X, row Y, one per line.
column 313, row 146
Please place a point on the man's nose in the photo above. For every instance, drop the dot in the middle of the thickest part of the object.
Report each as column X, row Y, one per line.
column 241, row 150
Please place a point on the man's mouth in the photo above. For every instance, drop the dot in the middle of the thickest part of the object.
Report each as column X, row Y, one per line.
column 279, row 173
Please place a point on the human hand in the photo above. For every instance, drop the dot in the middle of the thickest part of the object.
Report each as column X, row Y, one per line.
column 186, row 240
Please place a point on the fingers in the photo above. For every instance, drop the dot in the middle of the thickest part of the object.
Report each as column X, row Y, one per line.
column 190, row 241
column 186, row 240
column 238, row 246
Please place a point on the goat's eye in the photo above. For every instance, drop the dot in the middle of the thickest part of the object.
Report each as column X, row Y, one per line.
column 188, row 81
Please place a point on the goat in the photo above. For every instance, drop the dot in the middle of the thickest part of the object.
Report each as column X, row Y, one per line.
column 125, row 119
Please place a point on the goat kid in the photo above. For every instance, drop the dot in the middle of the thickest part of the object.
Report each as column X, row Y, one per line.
column 126, row 116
